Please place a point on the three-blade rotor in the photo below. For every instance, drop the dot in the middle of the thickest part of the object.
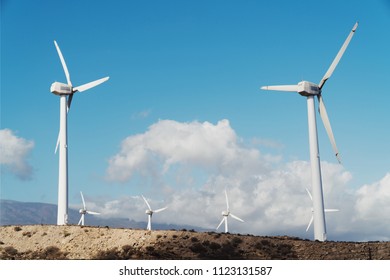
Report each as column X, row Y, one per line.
column 72, row 89
column 150, row 213
column 226, row 214
column 84, row 211
column 312, row 211
column 307, row 89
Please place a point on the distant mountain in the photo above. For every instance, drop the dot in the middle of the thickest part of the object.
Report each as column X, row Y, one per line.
column 36, row 213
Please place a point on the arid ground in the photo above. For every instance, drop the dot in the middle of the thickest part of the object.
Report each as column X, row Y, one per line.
column 82, row 242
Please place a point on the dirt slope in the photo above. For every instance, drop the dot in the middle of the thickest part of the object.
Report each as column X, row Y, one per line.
column 75, row 242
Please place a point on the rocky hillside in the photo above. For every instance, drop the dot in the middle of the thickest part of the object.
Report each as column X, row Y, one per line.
column 75, row 242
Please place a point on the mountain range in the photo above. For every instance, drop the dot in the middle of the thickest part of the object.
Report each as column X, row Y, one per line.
column 36, row 213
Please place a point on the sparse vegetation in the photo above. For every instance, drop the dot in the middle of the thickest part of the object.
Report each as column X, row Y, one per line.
column 48, row 242
column 198, row 248
column 50, row 253
column 28, row 234
column 9, row 253
column 17, row 228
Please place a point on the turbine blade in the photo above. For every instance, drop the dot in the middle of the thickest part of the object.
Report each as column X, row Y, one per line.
column 63, row 63
column 227, row 201
column 325, row 120
column 220, row 223
column 90, row 85
column 235, row 217
column 93, row 213
column 293, row 88
column 69, row 102
column 82, row 198
column 311, row 221
column 159, row 210
column 81, row 218
column 338, row 57
column 58, row 143
column 308, row 192
column 147, row 203
column 331, row 210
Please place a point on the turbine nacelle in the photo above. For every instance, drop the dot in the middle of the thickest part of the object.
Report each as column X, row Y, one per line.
column 61, row 89
column 149, row 212
column 307, row 88
column 225, row 213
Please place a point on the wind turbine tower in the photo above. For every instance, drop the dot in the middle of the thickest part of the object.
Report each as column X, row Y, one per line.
column 310, row 90
column 65, row 92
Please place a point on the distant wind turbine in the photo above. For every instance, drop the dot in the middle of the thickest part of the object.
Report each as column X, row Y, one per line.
column 150, row 213
column 226, row 214
column 309, row 90
column 312, row 217
column 66, row 92
column 84, row 211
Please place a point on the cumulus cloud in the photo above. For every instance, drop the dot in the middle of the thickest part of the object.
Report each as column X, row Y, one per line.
column 206, row 146
column 14, row 153
column 268, row 193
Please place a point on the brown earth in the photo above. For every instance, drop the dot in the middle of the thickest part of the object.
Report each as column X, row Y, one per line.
column 75, row 242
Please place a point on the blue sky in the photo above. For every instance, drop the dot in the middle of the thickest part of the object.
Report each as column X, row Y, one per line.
column 187, row 74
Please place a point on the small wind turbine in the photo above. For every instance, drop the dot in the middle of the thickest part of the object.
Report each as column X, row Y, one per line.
column 66, row 92
column 226, row 214
column 312, row 216
column 309, row 90
column 84, row 211
column 150, row 213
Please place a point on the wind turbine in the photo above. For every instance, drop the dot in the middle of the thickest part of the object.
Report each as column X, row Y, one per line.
column 66, row 92
column 226, row 214
column 312, row 217
column 309, row 90
column 84, row 211
column 150, row 213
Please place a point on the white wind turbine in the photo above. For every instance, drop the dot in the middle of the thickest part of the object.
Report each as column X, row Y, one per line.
column 65, row 91
column 84, row 211
column 150, row 213
column 312, row 217
column 310, row 90
column 226, row 214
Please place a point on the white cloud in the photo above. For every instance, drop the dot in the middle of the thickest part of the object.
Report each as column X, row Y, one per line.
column 194, row 162
column 373, row 200
column 14, row 153
column 214, row 148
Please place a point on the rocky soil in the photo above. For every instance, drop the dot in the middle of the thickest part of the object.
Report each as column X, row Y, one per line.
column 75, row 242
